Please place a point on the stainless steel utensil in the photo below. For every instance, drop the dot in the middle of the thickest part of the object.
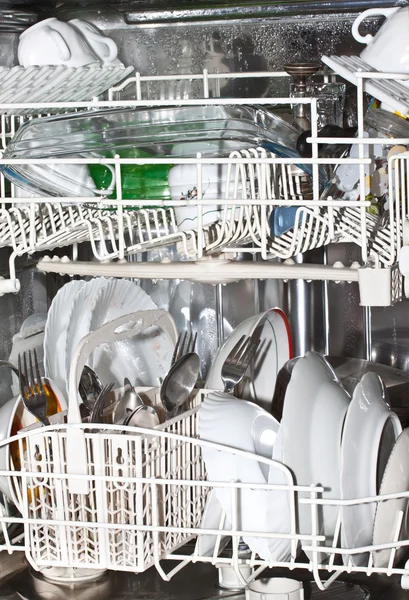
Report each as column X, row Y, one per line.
column 90, row 385
column 97, row 413
column 237, row 362
column 179, row 382
column 185, row 345
column 32, row 388
column 129, row 401
column 142, row 416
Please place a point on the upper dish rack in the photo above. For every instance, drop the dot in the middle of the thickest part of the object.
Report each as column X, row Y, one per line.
column 257, row 181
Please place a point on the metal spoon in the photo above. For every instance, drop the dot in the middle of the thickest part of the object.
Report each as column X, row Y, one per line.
column 90, row 385
column 127, row 403
column 179, row 382
column 143, row 416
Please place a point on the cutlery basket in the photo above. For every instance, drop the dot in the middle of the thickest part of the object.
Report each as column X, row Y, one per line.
column 112, row 514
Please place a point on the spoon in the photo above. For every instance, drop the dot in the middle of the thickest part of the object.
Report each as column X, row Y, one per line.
column 179, row 382
column 90, row 385
column 129, row 401
column 142, row 416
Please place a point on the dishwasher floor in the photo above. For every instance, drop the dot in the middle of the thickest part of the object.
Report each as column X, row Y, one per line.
column 196, row 582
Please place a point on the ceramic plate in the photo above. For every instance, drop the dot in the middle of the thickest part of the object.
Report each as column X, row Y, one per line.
column 395, row 480
column 313, row 416
column 144, row 359
column 226, row 420
column 274, row 351
column 213, row 518
column 370, row 432
column 55, row 335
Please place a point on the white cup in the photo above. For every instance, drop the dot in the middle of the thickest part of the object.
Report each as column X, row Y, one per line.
column 68, row 180
column 183, row 186
column 101, row 45
column 388, row 50
column 53, row 42
column 276, row 588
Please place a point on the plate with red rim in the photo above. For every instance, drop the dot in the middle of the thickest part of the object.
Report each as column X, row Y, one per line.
column 275, row 349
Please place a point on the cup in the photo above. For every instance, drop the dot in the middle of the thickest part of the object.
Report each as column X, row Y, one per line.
column 276, row 588
column 388, row 50
column 53, row 42
column 102, row 46
column 70, row 180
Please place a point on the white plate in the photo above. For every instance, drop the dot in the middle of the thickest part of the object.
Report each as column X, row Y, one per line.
column 313, row 415
column 213, row 517
column 274, row 351
column 370, row 432
column 394, row 481
column 144, row 359
column 226, row 420
column 55, row 334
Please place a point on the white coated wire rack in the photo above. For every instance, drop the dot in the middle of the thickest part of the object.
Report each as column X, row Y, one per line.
column 257, row 182
column 55, row 84
column 148, row 491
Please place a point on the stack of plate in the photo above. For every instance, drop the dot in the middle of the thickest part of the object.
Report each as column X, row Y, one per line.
column 353, row 447
column 82, row 307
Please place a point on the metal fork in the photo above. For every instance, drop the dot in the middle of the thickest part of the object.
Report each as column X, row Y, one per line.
column 186, row 343
column 237, row 362
column 32, row 388
column 97, row 414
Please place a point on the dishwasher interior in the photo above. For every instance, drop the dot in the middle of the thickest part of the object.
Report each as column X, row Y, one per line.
column 181, row 54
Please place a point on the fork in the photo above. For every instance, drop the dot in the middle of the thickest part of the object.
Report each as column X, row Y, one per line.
column 237, row 362
column 186, row 343
column 32, row 388
column 97, row 414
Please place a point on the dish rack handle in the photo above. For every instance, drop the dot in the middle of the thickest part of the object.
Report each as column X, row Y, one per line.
column 115, row 331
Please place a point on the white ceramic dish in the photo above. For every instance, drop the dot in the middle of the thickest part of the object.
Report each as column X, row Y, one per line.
column 274, row 351
column 388, row 50
column 214, row 517
column 144, row 359
column 54, row 42
column 226, row 420
column 370, row 432
column 104, row 48
column 13, row 418
column 313, row 416
column 395, row 480
column 55, row 334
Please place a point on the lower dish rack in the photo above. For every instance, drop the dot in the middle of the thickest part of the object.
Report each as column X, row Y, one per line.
column 147, row 497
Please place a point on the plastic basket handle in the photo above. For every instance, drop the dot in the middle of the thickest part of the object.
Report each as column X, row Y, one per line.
column 119, row 329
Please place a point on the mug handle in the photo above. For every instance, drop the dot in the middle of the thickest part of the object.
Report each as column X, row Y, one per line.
column 61, row 44
column 104, row 40
column 368, row 38
column 111, row 187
